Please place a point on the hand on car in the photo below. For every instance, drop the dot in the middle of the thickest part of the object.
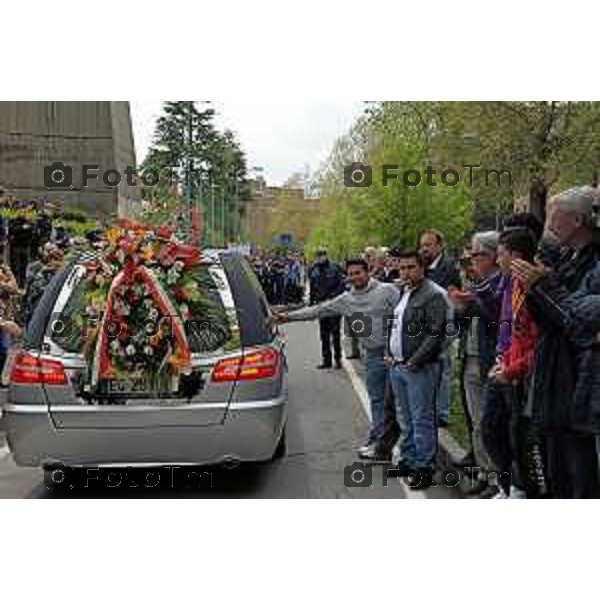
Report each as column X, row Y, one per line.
column 279, row 318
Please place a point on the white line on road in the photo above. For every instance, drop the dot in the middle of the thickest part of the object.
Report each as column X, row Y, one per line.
column 363, row 396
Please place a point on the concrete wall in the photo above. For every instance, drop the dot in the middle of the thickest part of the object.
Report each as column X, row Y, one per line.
column 36, row 134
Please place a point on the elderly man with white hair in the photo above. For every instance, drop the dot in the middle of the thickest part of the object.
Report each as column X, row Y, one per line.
column 480, row 308
column 568, row 426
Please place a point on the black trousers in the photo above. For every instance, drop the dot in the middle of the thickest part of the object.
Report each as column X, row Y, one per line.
column 330, row 330
column 278, row 289
column 571, row 465
column 19, row 259
column 496, row 425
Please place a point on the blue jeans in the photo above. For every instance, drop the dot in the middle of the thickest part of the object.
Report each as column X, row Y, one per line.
column 376, row 377
column 415, row 395
column 443, row 396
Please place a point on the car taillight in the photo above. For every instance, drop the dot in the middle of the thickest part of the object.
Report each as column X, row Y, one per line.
column 258, row 364
column 31, row 369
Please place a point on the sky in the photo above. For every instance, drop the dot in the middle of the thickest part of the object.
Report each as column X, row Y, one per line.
column 281, row 137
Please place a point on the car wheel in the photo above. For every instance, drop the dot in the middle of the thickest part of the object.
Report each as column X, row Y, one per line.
column 281, row 446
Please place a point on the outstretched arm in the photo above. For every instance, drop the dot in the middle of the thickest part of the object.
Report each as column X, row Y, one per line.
column 330, row 308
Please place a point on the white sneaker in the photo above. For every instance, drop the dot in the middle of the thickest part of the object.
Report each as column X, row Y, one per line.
column 396, row 454
column 501, row 495
column 364, row 448
column 516, row 493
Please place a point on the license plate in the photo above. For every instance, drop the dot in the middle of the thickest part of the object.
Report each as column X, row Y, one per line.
column 119, row 387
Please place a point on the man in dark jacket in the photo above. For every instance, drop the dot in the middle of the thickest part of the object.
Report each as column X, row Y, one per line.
column 477, row 311
column 415, row 341
column 20, row 234
column 327, row 280
column 567, row 429
column 441, row 270
column 392, row 272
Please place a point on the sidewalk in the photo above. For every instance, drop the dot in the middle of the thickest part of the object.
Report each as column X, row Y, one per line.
column 449, row 449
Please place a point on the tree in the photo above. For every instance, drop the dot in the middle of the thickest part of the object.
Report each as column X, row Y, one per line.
column 389, row 213
column 194, row 157
column 546, row 145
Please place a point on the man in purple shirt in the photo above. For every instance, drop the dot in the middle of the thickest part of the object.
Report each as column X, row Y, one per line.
column 505, row 323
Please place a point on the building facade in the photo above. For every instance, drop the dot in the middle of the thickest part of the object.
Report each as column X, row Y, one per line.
column 37, row 136
column 274, row 211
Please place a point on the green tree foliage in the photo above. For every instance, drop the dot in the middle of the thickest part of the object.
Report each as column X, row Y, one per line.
column 392, row 214
column 546, row 147
column 188, row 150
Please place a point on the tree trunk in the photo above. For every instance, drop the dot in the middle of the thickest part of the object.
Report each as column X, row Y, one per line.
column 538, row 194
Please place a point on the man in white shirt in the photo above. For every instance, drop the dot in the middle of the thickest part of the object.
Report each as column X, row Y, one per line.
column 417, row 339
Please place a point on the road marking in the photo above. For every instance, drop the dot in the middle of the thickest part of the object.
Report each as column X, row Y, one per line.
column 363, row 396
column 359, row 387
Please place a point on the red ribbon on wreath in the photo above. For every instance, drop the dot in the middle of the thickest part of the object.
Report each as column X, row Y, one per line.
column 179, row 359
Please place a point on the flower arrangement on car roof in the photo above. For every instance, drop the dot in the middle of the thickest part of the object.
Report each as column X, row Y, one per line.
column 138, row 294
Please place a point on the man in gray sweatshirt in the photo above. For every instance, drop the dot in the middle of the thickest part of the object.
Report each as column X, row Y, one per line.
column 369, row 305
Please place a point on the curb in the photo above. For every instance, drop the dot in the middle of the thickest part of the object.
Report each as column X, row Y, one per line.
column 3, row 399
column 449, row 450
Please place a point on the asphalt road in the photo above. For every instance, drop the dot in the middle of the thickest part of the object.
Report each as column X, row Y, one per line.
column 326, row 422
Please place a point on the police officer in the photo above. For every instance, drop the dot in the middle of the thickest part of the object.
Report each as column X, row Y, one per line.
column 327, row 280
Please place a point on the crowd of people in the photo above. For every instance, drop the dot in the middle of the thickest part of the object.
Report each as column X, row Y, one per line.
column 519, row 311
column 34, row 244
column 516, row 316
column 282, row 276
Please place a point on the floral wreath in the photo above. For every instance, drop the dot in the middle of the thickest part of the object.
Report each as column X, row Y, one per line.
column 139, row 326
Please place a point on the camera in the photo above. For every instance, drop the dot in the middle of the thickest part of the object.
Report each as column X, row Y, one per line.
column 358, row 175
column 58, row 175
column 358, row 475
column 358, row 325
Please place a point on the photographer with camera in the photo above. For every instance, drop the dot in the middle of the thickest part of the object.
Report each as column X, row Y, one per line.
column 368, row 305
